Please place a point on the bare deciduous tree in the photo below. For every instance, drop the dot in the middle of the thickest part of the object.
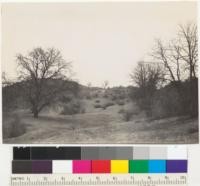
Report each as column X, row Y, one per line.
column 175, row 59
column 148, row 75
column 89, row 85
column 42, row 72
column 105, row 84
column 189, row 47
column 182, row 52
column 163, row 55
column 5, row 80
column 180, row 57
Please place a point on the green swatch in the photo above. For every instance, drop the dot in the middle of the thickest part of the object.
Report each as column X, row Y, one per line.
column 138, row 166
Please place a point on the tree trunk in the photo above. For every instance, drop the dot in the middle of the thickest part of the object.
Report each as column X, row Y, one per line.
column 35, row 114
column 194, row 98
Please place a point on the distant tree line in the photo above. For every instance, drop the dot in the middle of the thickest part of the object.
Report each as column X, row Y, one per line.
column 169, row 85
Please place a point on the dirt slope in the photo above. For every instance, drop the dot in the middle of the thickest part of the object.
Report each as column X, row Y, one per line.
column 104, row 126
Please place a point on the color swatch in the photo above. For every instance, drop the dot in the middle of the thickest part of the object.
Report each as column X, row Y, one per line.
column 84, row 160
column 138, row 166
column 176, row 166
column 53, row 153
column 81, row 166
column 62, row 166
column 100, row 153
column 119, row 166
column 101, row 166
column 157, row 166
column 42, row 167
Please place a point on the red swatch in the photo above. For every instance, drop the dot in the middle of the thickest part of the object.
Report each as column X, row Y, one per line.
column 100, row 166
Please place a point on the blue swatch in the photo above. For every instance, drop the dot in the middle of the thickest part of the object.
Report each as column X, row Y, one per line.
column 157, row 166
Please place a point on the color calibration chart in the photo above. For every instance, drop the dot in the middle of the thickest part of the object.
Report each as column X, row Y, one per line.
column 139, row 166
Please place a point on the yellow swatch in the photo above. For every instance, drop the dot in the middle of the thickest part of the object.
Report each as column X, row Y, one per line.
column 119, row 166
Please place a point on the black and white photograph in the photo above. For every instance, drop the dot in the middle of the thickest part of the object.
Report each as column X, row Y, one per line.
column 100, row 73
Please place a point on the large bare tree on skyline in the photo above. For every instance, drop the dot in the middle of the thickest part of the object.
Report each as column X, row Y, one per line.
column 37, row 70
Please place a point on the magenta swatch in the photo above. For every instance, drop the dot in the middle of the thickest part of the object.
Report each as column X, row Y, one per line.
column 81, row 166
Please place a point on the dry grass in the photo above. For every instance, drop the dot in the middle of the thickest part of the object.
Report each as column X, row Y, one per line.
column 104, row 126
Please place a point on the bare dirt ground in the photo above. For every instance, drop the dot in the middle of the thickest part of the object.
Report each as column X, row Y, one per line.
column 107, row 127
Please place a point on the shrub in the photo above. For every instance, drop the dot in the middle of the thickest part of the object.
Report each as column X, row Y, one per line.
column 97, row 101
column 176, row 98
column 127, row 115
column 120, row 102
column 121, row 96
column 107, row 105
column 65, row 99
column 121, row 111
column 74, row 107
column 13, row 128
column 113, row 98
column 97, row 106
column 82, row 111
column 168, row 102
column 88, row 97
column 96, row 95
column 105, row 96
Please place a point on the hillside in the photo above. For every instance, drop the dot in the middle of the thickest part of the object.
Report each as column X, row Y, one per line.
column 92, row 115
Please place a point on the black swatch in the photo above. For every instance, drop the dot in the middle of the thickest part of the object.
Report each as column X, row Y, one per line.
column 21, row 153
column 21, row 167
column 53, row 153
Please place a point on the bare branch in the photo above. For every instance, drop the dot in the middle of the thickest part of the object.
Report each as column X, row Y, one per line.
column 41, row 70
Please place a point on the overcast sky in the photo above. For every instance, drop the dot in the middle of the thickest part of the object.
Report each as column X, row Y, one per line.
column 104, row 40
